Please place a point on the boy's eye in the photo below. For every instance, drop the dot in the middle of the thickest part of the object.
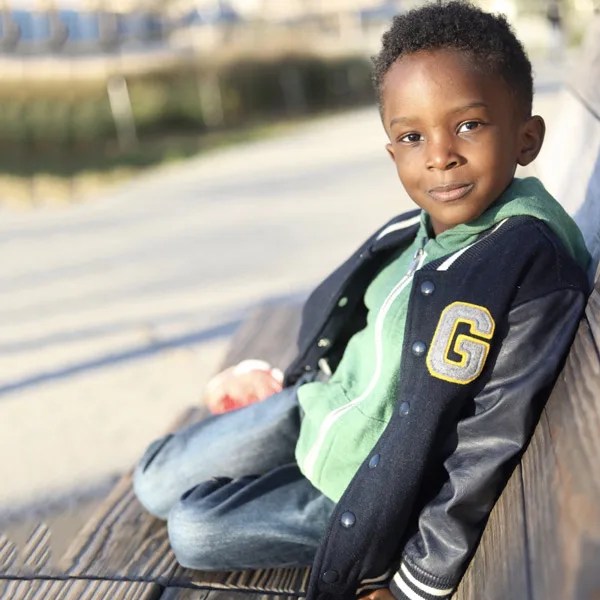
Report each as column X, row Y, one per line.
column 468, row 126
column 411, row 138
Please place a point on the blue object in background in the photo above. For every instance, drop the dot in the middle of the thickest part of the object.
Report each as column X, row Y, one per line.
column 82, row 26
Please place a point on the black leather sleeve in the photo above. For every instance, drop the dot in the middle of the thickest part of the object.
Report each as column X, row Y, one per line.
column 484, row 446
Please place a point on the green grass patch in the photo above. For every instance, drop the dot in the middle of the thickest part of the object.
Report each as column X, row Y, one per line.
column 62, row 133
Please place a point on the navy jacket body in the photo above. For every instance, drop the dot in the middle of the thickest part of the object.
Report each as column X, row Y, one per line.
column 486, row 334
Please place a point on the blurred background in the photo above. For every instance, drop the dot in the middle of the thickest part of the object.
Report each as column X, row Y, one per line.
column 95, row 90
column 164, row 166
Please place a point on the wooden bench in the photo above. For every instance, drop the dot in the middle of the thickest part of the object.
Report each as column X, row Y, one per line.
column 542, row 540
column 123, row 552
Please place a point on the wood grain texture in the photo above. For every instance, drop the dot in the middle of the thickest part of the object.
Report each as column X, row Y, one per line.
column 592, row 312
column 121, row 541
column 8, row 557
column 77, row 589
column 269, row 333
column 178, row 593
column 36, row 552
column 278, row 581
column 228, row 595
column 561, row 478
column 498, row 570
column 32, row 559
column 542, row 540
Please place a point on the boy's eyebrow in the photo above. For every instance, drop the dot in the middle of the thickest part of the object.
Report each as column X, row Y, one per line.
column 460, row 109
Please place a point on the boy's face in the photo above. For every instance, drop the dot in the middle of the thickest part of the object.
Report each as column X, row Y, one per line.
column 456, row 134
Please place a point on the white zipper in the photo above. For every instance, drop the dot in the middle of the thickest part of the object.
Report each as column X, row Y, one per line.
column 333, row 416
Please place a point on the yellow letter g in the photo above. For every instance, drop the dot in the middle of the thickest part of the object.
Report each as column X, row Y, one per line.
column 471, row 348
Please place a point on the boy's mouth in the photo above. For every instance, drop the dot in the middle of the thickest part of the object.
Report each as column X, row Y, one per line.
column 450, row 191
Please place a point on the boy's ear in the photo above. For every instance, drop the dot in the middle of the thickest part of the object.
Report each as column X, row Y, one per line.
column 531, row 139
column 390, row 151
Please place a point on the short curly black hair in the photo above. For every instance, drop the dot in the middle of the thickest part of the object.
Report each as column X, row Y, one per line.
column 487, row 38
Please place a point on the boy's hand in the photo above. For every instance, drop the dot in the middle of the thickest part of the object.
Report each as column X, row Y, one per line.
column 247, row 382
column 381, row 594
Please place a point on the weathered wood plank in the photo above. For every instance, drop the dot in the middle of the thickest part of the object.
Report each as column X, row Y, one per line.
column 562, row 482
column 178, row 593
column 278, row 581
column 36, row 553
column 121, row 541
column 229, row 595
column 499, row 567
column 33, row 559
column 77, row 589
column 269, row 333
column 8, row 556
column 592, row 313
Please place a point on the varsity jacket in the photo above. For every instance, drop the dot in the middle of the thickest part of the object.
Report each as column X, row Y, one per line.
column 486, row 333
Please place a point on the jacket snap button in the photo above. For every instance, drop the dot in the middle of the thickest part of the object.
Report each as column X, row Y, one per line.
column 324, row 343
column 418, row 348
column 330, row 576
column 374, row 461
column 342, row 302
column 348, row 519
column 427, row 288
column 307, row 368
column 404, row 409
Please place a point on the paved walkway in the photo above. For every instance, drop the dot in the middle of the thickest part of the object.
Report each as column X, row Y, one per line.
column 115, row 312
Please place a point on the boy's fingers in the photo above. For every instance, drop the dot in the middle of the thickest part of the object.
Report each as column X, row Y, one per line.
column 235, row 387
column 262, row 383
column 229, row 389
column 277, row 374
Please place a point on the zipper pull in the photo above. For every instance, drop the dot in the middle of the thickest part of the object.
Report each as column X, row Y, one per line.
column 417, row 258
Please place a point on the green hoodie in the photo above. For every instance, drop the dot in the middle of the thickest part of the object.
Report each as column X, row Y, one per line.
column 345, row 416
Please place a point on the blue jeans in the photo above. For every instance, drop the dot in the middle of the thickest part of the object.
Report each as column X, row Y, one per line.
column 231, row 491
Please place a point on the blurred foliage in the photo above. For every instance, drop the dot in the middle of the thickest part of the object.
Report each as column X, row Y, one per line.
column 63, row 128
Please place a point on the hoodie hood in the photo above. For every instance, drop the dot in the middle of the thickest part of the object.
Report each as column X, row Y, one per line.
column 523, row 197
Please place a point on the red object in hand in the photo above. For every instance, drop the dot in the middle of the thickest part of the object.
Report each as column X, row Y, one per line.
column 248, row 382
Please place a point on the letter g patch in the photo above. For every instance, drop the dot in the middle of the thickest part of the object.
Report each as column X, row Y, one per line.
column 460, row 358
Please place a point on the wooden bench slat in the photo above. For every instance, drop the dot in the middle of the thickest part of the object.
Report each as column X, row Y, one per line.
column 269, row 333
column 499, row 568
column 228, row 595
column 592, row 313
column 77, row 589
column 33, row 560
column 284, row 581
column 121, row 541
column 562, row 480
column 178, row 593
column 9, row 556
column 533, row 520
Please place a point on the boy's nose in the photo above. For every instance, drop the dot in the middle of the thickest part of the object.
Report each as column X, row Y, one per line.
column 442, row 156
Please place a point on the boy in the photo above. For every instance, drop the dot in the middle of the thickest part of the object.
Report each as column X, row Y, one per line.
column 424, row 360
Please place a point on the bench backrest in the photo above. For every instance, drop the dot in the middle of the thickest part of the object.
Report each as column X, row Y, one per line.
column 569, row 163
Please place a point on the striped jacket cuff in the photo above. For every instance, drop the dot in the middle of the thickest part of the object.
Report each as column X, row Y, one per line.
column 408, row 585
